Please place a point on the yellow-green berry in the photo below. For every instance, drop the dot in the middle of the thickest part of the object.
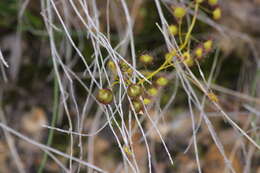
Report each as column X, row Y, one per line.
column 179, row 12
column 162, row 81
column 199, row 52
column 146, row 59
column 134, row 90
column 187, row 59
column 170, row 55
column 123, row 66
column 138, row 105
column 213, row 97
column 207, row 45
column 152, row 91
column 105, row 96
column 213, row 2
column 111, row 66
column 147, row 101
column 189, row 62
column 185, row 55
column 173, row 29
column 217, row 14
column 199, row 1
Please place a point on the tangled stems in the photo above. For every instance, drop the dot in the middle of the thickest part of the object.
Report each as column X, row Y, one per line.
column 187, row 37
column 167, row 63
column 53, row 122
column 162, row 67
column 179, row 13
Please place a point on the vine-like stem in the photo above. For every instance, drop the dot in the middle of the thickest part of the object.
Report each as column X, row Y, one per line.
column 55, row 111
column 167, row 62
column 187, row 37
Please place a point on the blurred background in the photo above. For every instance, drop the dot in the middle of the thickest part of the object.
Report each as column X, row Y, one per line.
column 29, row 97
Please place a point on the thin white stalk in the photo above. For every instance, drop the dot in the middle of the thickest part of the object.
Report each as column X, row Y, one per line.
column 3, row 60
column 44, row 147
column 11, row 145
column 194, row 136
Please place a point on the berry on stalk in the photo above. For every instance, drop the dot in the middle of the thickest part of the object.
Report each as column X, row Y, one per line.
column 179, row 12
column 146, row 59
column 105, row 96
column 162, row 81
column 138, row 105
column 134, row 90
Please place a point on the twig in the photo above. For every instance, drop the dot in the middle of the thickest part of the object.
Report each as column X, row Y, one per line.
column 53, row 122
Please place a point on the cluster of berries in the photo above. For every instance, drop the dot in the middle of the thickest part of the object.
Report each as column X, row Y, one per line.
column 187, row 58
column 179, row 12
column 139, row 94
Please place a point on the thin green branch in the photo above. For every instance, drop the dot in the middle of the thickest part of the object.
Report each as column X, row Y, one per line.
column 53, row 122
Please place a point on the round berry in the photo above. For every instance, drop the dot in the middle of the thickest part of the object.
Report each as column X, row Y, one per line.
column 199, row 1
column 207, row 45
column 146, row 59
column 138, row 105
column 147, row 101
column 199, row 52
column 217, row 14
column 169, row 56
column 187, row 59
column 123, row 66
column 134, row 90
column 162, row 81
column 173, row 29
column 179, row 12
column 105, row 96
column 111, row 65
column 152, row 91
column 186, row 55
column 189, row 62
column 213, row 2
